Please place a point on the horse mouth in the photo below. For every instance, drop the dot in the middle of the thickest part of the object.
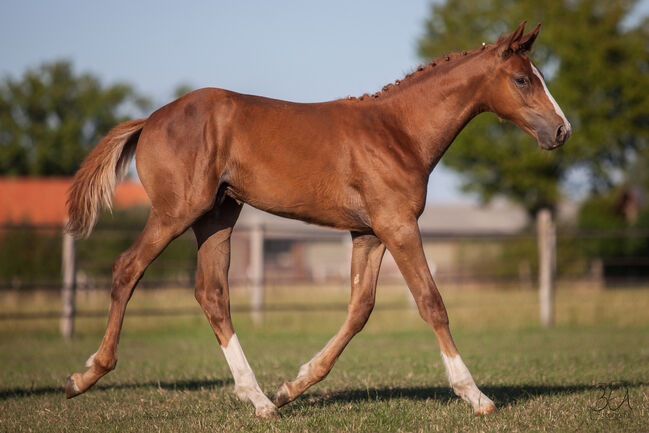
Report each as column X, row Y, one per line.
column 552, row 146
column 561, row 135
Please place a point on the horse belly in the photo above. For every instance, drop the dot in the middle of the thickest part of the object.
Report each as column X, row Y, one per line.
column 315, row 204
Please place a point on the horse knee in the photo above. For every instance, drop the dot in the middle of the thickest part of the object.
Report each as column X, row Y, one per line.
column 440, row 320
column 432, row 310
column 213, row 304
column 318, row 371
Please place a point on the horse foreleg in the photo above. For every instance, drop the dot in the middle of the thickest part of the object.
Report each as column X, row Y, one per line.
column 366, row 260
column 127, row 271
column 404, row 243
column 213, row 235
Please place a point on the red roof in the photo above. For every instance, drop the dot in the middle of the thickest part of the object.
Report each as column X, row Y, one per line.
column 42, row 200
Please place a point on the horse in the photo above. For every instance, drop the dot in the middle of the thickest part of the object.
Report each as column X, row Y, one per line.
column 356, row 164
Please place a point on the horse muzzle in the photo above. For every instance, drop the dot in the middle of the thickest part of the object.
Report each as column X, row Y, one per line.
column 551, row 141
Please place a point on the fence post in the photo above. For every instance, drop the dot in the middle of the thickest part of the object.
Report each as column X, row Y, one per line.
column 68, row 270
column 547, row 241
column 597, row 274
column 256, row 270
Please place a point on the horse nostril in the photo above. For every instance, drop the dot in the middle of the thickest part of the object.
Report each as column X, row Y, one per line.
column 561, row 134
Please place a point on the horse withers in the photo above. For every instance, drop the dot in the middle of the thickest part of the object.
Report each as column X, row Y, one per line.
column 356, row 164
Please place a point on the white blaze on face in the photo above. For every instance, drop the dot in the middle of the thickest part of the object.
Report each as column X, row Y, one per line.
column 557, row 109
column 245, row 382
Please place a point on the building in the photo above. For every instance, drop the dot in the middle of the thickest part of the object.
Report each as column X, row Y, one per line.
column 41, row 201
column 295, row 251
column 298, row 251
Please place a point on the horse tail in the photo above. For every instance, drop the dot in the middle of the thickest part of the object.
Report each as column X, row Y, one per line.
column 100, row 172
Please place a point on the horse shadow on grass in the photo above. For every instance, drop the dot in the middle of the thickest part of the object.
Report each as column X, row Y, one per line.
column 502, row 395
column 180, row 385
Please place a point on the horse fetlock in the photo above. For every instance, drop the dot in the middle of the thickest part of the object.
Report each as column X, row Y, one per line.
column 91, row 360
column 465, row 388
column 304, row 371
column 312, row 372
column 481, row 404
column 267, row 412
column 243, row 392
column 101, row 365
column 283, row 395
column 264, row 408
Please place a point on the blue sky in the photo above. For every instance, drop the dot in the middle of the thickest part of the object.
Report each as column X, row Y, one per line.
column 296, row 50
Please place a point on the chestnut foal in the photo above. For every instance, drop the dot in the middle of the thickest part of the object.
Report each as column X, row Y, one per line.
column 356, row 164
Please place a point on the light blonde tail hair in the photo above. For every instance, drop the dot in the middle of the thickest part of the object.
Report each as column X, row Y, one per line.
column 101, row 171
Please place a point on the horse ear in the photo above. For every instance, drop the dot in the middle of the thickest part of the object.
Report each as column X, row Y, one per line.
column 527, row 42
column 511, row 44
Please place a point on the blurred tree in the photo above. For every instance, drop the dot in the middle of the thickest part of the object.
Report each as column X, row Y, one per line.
column 182, row 89
column 51, row 117
column 637, row 175
column 595, row 57
column 622, row 212
column 597, row 67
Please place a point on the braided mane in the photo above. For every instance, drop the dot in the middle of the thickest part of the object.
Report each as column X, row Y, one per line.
column 422, row 69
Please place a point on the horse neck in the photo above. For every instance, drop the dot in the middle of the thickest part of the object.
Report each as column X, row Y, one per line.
column 435, row 107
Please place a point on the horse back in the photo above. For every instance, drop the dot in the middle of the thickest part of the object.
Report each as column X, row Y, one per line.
column 313, row 162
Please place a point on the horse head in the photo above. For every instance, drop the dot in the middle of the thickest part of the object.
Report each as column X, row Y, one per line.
column 517, row 92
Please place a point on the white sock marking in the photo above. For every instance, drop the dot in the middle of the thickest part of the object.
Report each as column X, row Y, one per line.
column 245, row 382
column 462, row 383
column 304, row 368
column 557, row 109
column 90, row 360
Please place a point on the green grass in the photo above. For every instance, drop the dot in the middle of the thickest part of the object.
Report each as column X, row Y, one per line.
column 171, row 374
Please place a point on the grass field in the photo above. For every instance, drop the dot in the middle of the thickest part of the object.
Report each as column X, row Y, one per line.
column 590, row 373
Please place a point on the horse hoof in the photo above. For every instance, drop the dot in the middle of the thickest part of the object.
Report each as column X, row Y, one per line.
column 486, row 409
column 268, row 412
column 71, row 388
column 282, row 396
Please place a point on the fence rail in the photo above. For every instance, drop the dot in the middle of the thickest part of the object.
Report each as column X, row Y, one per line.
column 31, row 258
column 155, row 312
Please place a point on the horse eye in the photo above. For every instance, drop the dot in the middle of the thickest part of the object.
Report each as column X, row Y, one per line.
column 521, row 81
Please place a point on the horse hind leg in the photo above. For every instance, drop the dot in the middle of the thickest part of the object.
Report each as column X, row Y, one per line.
column 213, row 232
column 128, row 268
column 367, row 255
